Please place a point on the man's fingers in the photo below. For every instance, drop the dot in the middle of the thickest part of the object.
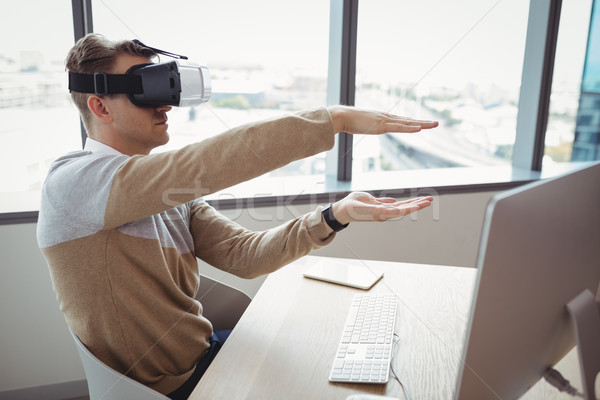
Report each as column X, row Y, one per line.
column 387, row 211
column 386, row 200
column 408, row 125
column 397, row 212
column 415, row 200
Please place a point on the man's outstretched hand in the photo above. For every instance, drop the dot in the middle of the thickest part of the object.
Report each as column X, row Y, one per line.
column 360, row 206
column 355, row 120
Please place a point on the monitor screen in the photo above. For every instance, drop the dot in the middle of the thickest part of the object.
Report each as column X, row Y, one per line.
column 540, row 248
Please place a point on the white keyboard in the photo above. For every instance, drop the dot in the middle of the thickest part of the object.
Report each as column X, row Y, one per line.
column 365, row 350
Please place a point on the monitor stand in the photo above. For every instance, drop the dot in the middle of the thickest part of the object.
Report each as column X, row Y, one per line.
column 585, row 313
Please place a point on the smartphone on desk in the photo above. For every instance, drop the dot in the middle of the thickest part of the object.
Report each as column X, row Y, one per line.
column 341, row 273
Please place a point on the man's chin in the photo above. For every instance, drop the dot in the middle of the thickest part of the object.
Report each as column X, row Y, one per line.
column 163, row 140
column 160, row 140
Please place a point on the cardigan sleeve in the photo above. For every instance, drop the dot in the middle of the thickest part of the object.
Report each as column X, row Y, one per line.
column 146, row 185
column 230, row 247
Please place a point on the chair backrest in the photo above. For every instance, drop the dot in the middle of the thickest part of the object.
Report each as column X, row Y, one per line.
column 223, row 305
column 104, row 383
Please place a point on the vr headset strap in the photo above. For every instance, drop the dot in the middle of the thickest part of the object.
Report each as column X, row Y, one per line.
column 101, row 83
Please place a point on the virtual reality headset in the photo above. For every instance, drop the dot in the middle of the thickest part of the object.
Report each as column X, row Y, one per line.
column 174, row 83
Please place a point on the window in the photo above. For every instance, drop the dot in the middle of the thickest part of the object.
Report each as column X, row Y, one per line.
column 39, row 123
column 457, row 62
column 265, row 57
column 566, row 82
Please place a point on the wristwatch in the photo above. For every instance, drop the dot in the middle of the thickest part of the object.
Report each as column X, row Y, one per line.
column 330, row 219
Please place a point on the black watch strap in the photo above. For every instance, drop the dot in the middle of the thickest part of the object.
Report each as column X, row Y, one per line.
column 330, row 219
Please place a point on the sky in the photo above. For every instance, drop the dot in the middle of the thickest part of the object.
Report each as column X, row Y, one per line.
column 398, row 40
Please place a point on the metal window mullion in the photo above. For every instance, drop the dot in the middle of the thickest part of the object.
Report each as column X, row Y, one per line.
column 340, row 81
column 348, row 84
column 82, row 18
column 82, row 25
column 536, row 83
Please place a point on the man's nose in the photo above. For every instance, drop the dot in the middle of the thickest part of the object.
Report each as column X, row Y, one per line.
column 164, row 108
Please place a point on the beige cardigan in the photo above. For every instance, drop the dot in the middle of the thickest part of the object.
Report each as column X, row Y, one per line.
column 121, row 236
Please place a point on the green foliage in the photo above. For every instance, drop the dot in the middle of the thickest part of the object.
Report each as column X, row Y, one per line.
column 239, row 102
column 560, row 153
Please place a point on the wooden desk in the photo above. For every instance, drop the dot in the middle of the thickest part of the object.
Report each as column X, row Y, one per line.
column 284, row 345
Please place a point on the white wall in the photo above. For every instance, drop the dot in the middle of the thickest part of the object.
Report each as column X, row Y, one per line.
column 35, row 345
column 36, row 348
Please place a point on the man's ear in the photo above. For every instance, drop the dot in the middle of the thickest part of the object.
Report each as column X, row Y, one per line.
column 98, row 107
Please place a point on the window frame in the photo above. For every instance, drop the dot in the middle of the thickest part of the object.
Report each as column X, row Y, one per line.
column 532, row 117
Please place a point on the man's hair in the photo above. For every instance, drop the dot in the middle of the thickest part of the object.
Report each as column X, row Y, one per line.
column 95, row 53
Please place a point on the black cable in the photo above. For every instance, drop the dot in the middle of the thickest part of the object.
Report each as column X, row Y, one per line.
column 555, row 378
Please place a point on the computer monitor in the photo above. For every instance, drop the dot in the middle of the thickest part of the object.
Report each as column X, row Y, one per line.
column 540, row 248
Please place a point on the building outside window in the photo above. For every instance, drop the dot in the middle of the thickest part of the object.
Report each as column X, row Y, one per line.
column 586, row 144
column 456, row 62
column 566, row 81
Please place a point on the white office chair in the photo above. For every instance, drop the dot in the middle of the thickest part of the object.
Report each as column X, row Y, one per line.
column 104, row 383
column 223, row 306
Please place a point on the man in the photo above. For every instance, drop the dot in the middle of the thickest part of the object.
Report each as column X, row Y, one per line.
column 121, row 229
